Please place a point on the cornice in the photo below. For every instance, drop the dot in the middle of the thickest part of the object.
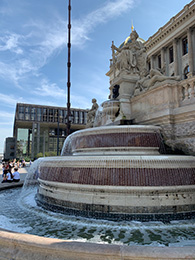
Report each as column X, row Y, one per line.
column 186, row 14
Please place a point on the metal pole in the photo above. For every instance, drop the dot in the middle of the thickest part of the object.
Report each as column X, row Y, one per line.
column 68, row 66
column 58, row 130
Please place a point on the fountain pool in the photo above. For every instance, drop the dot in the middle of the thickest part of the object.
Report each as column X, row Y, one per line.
column 23, row 215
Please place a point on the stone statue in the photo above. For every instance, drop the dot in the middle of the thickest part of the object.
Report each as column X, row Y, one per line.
column 131, row 57
column 91, row 113
column 150, row 79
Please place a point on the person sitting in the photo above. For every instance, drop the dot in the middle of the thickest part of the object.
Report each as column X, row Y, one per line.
column 7, row 177
column 16, row 175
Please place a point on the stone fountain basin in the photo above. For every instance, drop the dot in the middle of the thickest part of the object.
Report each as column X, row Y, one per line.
column 124, row 140
column 119, row 187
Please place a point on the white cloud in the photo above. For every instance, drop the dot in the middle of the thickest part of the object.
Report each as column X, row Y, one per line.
column 9, row 100
column 10, row 42
column 45, row 39
column 6, row 115
column 82, row 28
column 49, row 89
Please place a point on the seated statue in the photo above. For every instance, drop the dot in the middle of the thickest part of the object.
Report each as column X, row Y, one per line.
column 150, row 79
column 131, row 57
column 91, row 113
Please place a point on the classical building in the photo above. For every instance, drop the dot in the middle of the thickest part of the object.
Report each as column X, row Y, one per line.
column 153, row 82
column 41, row 129
column 172, row 47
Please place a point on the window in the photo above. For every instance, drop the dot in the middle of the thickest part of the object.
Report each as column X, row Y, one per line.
column 21, row 113
column 51, row 115
column 55, row 115
column 186, row 71
column 185, row 45
column 85, row 117
column 76, row 117
column 38, row 114
column 27, row 113
column 33, row 113
column 45, row 114
column 60, row 115
column 65, row 115
column 81, row 117
column 159, row 61
column 171, row 54
column 73, row 119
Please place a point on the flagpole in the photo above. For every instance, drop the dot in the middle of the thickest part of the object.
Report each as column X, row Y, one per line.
column 68, row 67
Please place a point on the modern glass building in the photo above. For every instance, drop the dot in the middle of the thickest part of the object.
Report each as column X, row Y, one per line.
column 42, row 129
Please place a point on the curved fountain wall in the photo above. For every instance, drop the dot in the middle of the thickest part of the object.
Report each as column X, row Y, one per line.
column 117, row 173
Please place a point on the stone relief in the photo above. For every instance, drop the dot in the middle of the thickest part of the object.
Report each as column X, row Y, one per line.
column 185, row 129
column 151, row 79
column 180, row 136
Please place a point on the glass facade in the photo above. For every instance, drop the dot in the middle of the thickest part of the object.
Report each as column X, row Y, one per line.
column 23, row 142
column 38, row 129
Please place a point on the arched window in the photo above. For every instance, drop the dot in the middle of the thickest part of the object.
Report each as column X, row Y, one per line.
column 186, row 71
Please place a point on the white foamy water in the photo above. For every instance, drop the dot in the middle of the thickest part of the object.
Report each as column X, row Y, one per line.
column 20, row 213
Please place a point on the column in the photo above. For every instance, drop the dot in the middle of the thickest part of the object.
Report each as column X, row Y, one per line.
column 152, row 62
column 38, row 137
column 162, row 53
column 33, row 142
column 190, row 52
column 175, row 56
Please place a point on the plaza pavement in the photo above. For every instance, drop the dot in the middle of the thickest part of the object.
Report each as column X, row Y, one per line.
column 6, row 185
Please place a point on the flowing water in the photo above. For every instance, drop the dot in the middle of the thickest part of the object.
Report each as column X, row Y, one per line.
column 20, row 213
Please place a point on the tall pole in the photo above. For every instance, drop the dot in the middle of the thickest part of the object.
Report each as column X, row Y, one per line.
column 58, row 133
column 68, row 66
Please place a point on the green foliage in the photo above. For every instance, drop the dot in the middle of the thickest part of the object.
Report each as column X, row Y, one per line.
column 48, row 154
column 39, row 155
column 27, row 159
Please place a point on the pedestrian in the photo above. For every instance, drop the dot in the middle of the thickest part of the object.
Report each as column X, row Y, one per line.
column 16, row 175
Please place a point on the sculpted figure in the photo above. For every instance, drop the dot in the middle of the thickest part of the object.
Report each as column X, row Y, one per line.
column 150, row 79
column 91, row 113
column 131, row 57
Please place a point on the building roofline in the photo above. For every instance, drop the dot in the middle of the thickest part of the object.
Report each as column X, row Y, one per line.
column 47, row 106
column 185, row 14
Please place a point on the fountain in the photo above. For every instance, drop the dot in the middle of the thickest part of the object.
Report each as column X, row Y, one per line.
column 116, row 171
column 113, row 172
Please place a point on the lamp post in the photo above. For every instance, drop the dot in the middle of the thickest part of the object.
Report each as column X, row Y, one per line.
column 68, row 66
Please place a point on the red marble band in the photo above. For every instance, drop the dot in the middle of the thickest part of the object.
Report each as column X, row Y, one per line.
column 116, row 140
column 120, row 176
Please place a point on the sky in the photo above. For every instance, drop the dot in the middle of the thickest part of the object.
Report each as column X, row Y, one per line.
column 33, row 48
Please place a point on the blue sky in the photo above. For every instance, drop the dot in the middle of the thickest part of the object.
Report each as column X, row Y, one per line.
column 33, row 48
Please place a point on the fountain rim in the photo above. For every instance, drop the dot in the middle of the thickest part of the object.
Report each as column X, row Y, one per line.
column 117, row 129
column 118, row 157
column 26, row 244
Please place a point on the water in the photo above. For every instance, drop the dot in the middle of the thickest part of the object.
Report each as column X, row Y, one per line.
column 20, row 213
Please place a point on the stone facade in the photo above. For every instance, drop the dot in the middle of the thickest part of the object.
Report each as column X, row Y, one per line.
column 173, row 108
column 163, row 92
